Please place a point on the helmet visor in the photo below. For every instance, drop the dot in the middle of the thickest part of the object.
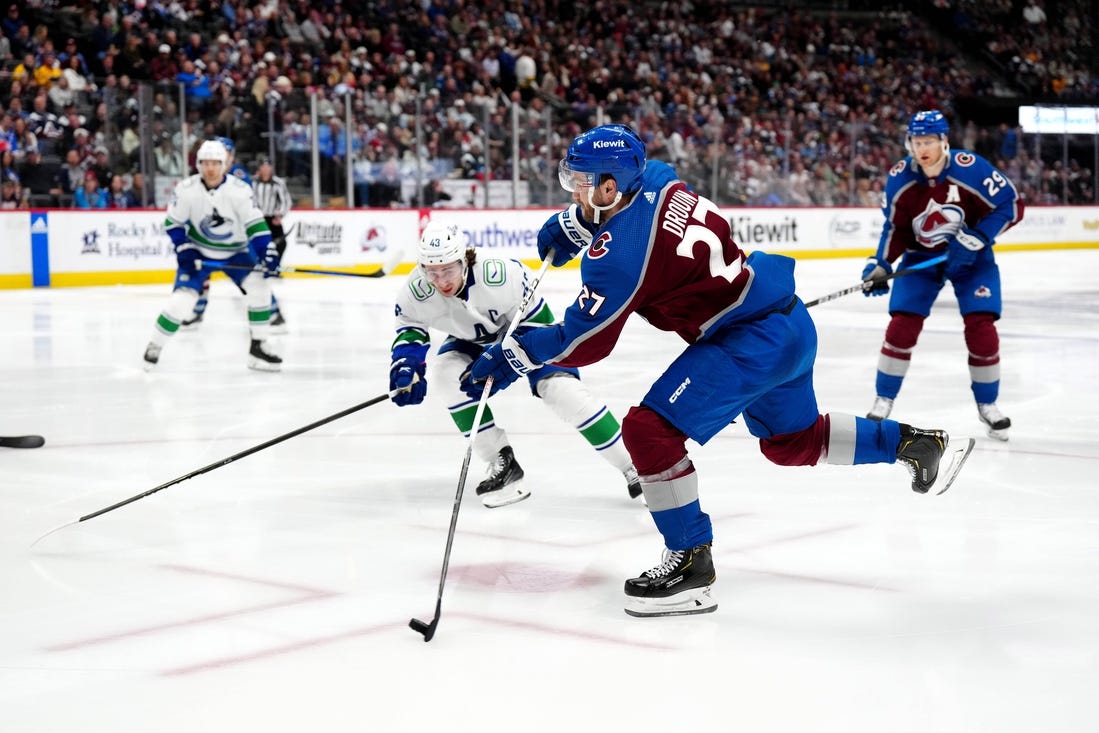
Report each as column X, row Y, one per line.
column 573, row 180
column 443, row 273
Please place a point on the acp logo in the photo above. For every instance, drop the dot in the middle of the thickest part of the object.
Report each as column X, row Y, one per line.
column 598, row 247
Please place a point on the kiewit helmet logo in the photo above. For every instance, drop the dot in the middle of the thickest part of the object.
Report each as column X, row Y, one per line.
column 609, row 144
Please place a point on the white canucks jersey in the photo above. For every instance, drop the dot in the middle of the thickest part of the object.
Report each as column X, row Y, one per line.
column 480, row 313
column 219, row 221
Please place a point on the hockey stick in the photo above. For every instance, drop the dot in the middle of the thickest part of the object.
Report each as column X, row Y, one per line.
column 230, row 459
column 428, row 629
column 215, row 265
column 22, row 441
column 866, row 284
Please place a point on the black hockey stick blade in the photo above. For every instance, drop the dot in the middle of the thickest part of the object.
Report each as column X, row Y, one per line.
column 23, row 441
column 427, row 630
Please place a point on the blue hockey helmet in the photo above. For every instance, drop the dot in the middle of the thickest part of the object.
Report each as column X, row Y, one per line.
column 927, row 122
column 613, row 150
column 230, row 146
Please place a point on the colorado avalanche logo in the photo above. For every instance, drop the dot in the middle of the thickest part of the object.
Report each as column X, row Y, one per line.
column 964, row 159
column 897, row 169
column 598, row 247
column 374, row 238
column 215, row 227
column 937, row 224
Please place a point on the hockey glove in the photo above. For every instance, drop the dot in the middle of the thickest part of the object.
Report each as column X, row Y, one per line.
column 961, row 252
column 473, row 390
column 874, row 277
column 504, row 362
column 187, row 260
column 407, row 372
column 271, row 260
column 408, row 375
column 564, row 235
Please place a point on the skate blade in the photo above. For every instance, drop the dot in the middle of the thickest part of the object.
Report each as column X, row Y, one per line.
column 263, row 366
column 687, row 603
column 995, row 434
column 511, row 494
column 958, row 456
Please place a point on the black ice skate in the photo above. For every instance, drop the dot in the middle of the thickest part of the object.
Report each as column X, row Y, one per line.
column 633, row 483
column 679, row 586
column 930, row 458
column 261, row 359
column 192, row 322
column 921, row 451
column 503, row 485
column 152, row 356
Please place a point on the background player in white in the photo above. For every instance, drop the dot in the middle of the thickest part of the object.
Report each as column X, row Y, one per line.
column 236, row 170
column 939, row 201
column 474, row 302
column 213, row 217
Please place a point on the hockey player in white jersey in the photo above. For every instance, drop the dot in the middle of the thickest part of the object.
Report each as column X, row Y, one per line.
column 213, row 218
column 474, row 301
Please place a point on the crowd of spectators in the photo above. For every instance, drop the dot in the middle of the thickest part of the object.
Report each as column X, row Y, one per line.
column 759, row 106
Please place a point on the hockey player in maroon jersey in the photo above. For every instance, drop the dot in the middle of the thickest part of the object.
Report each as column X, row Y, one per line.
column 939, row 201
column 660, row 250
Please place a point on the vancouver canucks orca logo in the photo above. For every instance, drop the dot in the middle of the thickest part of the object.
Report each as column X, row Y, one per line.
column 215, row 227
column 937, row 223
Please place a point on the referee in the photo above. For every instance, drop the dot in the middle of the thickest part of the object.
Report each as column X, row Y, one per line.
column 273, row 199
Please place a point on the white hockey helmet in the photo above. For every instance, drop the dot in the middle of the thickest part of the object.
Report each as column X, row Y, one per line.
column 212, row 150
column 441, row 244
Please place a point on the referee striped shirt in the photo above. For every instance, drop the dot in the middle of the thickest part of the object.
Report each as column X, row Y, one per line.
column 272, row 197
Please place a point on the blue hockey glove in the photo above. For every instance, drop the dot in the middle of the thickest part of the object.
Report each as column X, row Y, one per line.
column 566, row 234
column 504, row 362
column 873, row 277
column 188, row 261
column 271, row 260
column 408, row 374
column 961, row 252
column 473, row 390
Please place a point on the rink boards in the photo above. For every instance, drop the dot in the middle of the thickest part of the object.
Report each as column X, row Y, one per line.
column 57, row 248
